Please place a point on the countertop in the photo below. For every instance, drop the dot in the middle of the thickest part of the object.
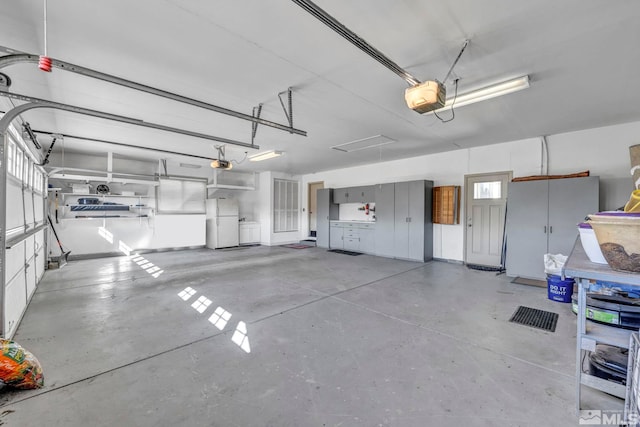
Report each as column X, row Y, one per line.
column 248, row 223
column 359, row 221
column 578, row 265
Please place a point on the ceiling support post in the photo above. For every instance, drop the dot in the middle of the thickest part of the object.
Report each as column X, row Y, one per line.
column 287, row 112
column 254, row 126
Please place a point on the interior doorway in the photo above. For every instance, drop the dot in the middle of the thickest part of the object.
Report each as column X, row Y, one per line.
column 485, row 211
column 312, row 208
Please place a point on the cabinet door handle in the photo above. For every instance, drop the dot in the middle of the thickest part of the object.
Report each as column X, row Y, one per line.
column 545, row 229
column 550, row 229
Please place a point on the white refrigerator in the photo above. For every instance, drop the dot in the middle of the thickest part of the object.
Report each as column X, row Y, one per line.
column 222, row 223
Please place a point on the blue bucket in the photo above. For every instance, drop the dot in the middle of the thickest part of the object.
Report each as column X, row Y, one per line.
column 558, row 289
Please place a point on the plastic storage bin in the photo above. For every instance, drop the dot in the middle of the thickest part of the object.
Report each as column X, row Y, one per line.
column 590, row 243
column 559, row 290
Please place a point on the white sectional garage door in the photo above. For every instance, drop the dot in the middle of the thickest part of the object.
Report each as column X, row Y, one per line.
column 25, row 227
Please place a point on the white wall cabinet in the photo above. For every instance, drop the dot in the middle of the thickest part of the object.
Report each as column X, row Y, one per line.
column 542, row 217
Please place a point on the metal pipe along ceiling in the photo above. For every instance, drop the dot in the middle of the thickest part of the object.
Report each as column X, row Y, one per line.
column 41, row 103
column 356, row 40
column 20, row 58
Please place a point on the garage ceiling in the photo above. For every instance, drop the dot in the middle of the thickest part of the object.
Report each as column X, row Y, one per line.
column 581, row 57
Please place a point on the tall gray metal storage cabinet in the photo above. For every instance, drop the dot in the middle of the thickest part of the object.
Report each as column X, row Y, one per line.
column 326, row 210
column 542, row 218
column 403, row 220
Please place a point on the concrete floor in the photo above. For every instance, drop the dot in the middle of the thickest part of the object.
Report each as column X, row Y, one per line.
column 334, row 340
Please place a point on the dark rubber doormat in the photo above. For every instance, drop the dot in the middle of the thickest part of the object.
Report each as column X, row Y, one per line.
column 342, row 251
column 530, row 282
column 535, row 318
column 297, row 246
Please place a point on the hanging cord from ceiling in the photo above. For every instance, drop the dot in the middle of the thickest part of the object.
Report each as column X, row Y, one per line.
column 44, row 62
column 237, row 162
column 455, row 95
column 453, row 113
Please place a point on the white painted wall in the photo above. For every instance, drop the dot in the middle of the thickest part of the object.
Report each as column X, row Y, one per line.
column 352, row 212
column 603, row 151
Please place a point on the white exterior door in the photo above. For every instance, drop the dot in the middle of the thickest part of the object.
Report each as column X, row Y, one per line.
column 485, row 208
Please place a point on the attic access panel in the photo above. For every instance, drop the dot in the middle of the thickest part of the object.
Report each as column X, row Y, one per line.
column 364, row 143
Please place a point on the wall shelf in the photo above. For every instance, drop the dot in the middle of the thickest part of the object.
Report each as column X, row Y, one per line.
column 97, row 196
column 128, row 207
column 231, row 187
column 228, row 180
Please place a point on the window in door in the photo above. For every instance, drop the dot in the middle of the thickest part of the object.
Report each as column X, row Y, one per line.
column 487, row 190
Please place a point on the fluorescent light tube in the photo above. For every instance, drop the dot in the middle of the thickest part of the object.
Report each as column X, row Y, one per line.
column 265, row 156
column 487, row 92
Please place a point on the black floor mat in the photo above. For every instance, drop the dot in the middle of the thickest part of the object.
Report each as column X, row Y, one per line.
column 535, row 318
column 530, row 282
column 342, row 251
column 484, row 267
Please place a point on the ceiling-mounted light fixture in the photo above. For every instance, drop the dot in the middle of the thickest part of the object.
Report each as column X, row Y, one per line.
column 221, row 163
column 189, row 166
column 265, row 156
column 486, row 92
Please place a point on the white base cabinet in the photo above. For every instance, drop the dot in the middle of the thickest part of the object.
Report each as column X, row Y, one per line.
column 249, row 233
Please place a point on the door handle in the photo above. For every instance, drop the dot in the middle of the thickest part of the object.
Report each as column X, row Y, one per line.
column 550, row 229
column 545, row 229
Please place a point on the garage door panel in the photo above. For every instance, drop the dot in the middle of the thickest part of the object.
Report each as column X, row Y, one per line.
column 39, row 207
column 40, row 262
column 15, row 218
column 15, row 302
column 28, row 206
column 15, row 260
column 30, row 279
